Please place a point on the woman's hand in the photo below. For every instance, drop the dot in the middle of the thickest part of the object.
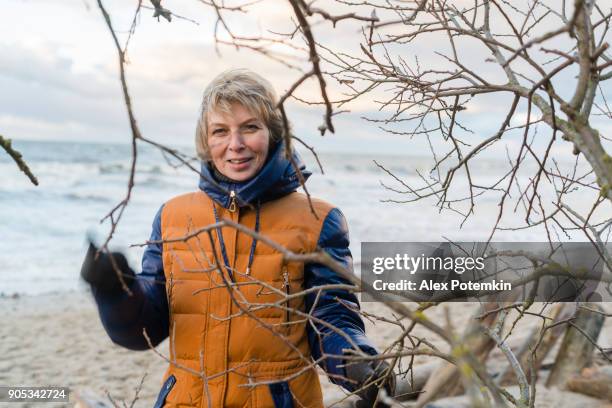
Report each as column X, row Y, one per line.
column 99, row 272
column 368, row 376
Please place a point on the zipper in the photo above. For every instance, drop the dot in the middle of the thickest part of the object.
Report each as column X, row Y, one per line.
column 287, row 290
column 232, row 206
column 226, row 261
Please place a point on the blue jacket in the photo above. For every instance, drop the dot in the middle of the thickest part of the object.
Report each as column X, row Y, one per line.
column 124, row 317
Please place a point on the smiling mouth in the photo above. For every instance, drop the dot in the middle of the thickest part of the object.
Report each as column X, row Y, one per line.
column 239, row 161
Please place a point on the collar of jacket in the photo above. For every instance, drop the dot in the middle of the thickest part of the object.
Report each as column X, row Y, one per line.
column 276, row 179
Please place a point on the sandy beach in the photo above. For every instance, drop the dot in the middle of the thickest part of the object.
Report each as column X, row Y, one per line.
column 58, row 340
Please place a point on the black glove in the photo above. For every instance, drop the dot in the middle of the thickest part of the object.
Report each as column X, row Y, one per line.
column 101, row 275
column 372, row 373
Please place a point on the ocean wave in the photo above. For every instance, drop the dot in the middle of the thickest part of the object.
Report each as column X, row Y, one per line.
column 86, row 197
column 114, row 168
column 153, row 182
column 155, row 169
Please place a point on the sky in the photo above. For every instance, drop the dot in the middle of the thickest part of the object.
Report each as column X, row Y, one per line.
column 59, row 75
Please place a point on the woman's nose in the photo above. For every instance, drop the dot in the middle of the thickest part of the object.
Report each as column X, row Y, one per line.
column 236, row 141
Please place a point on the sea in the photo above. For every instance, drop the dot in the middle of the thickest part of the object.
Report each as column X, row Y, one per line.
column 43, row 228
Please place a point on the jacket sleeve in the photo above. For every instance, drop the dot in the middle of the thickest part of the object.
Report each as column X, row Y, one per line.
column 331, row 306
column 124, row 317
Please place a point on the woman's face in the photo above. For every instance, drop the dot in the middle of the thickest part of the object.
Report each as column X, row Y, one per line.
column 238, row 142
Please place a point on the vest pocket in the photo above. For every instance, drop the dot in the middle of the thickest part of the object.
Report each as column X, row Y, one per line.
column 281, row 395
column 163, row 393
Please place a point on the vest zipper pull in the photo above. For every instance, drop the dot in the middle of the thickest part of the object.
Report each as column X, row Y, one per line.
column 232, row 206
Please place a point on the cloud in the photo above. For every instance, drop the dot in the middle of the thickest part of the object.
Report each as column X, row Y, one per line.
column 47, row 69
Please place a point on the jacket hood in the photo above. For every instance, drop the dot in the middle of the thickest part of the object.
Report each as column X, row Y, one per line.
column 275, row 179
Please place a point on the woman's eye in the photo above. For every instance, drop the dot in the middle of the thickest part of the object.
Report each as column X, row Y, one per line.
column 218, row 132
column 252, row 127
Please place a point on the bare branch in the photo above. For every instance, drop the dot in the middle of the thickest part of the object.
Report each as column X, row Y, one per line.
column 18, row 159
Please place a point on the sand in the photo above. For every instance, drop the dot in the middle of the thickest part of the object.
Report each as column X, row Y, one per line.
column 58, row 340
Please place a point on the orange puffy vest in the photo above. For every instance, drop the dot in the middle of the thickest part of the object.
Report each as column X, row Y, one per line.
column 227, row 339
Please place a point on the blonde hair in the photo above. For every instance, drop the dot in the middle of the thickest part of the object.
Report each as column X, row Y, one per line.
column 246, row 88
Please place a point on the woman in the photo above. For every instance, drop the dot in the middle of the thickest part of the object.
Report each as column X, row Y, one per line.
column 230, row 344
